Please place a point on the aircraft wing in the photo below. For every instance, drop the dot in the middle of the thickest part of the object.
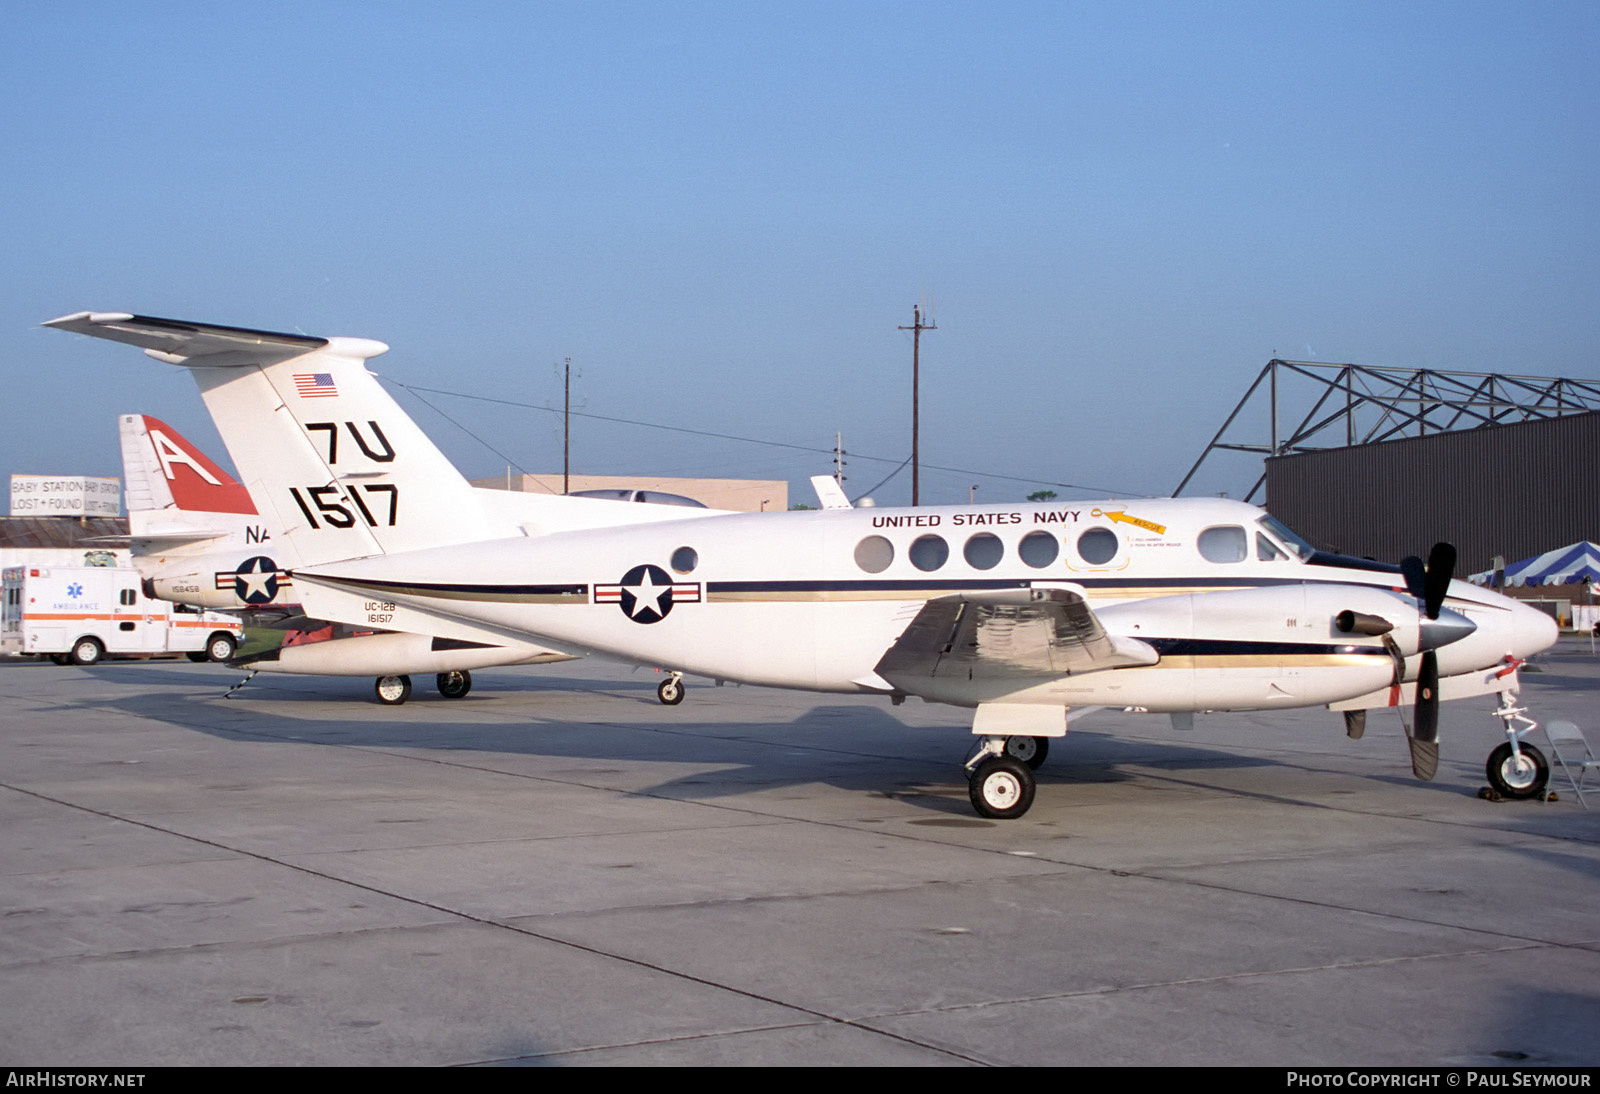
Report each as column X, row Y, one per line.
column 172, row 340
column 1015, row 635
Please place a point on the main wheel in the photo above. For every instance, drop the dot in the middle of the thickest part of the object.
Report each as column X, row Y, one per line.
column 671, row 691
column 1001, row 788
column 1513, row 780
column 393, row 690
column 221, row 647
column 453, row 685
column 1030, row 750
column 87, row 651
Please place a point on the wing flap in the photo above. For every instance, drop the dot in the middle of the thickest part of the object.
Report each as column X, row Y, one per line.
column 1029, row 634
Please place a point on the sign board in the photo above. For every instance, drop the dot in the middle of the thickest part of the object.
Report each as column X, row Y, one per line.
column 65, row 496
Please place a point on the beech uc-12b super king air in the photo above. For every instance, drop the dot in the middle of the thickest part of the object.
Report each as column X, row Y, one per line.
column 1027, row 614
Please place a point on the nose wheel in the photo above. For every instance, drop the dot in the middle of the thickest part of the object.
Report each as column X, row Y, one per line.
column 1522, row 774
column 1515, row 769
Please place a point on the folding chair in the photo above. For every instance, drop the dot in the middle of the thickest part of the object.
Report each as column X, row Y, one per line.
column 1572, row 752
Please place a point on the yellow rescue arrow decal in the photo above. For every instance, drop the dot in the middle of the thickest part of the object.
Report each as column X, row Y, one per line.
column 1123, row 518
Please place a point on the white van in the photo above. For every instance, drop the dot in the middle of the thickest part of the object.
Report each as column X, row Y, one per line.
column 80, row 614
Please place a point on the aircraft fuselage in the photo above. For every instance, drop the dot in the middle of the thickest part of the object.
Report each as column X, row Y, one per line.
column 1240, row 614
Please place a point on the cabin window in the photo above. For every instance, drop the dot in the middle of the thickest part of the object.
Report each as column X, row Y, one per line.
column 983, row 551
column 1267, row 551
column 874, row 554
column 928, row 553
column 1224, row 543
column 1097, row 546
column 685, row 559
column 1038, row 549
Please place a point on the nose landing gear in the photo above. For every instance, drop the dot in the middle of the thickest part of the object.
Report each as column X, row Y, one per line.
column 1516, row 770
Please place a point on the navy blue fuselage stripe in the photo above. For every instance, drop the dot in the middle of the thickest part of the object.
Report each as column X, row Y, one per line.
column 987, row 584
column 1220, row 647
column 463, row 587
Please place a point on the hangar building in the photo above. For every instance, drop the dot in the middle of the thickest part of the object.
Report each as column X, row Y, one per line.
column 1384, row 462
column 1510, row 490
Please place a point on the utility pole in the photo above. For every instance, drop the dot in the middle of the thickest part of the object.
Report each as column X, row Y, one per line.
column 916, row 328
column 566, row 428
column 838, row 459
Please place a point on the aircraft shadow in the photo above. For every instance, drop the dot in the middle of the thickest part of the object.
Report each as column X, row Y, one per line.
column 855, row 747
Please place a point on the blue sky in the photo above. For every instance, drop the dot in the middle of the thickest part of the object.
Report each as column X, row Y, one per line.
column 722, row 213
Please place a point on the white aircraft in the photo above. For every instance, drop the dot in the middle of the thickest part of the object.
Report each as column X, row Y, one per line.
column 1026, row 613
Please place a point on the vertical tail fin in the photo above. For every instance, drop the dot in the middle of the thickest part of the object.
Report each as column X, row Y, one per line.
column 162, row 471
column 329, row 457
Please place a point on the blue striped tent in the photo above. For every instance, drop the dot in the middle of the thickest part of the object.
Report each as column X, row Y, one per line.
column 1564, row 566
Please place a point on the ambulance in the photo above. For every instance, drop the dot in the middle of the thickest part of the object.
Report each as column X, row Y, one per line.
column 81, row 614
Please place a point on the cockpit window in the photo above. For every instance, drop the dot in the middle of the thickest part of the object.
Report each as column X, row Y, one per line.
column 1288, row 538
column 1224, row 543
column 1268, row 551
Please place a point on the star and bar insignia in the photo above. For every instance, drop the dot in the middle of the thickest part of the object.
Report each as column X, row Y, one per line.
column 256, row 581
column 647, row 593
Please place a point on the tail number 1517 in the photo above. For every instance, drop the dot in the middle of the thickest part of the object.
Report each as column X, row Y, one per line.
column 329, row 502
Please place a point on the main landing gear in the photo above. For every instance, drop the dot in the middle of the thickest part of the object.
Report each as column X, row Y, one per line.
column 1000, row 779
column 393, row 690
column 454, row 685
column 1516, row 770
column 396, row 689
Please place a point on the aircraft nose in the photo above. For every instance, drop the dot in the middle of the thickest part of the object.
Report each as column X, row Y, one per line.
column 1532, row 630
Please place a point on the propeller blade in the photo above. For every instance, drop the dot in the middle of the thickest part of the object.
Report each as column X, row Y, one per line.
column 1416, row 576
column 1441, row 565
column 1427, row 717
column 1424, row 759
column 1424, row 739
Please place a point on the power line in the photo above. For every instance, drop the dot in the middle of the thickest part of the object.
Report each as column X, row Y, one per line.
column 415, row 389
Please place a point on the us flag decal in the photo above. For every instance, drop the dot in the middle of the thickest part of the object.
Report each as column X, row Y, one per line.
column 315, row 385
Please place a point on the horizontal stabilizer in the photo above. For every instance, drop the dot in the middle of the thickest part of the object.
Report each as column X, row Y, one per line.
column 178, row 340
